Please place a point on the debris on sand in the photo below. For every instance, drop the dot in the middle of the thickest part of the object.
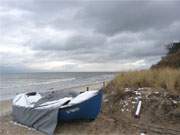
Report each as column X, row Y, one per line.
column 157, row 107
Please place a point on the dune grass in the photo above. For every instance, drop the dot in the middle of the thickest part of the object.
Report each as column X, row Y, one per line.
column 165, row 78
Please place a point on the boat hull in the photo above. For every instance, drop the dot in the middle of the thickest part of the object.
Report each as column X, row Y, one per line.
column 87, row 110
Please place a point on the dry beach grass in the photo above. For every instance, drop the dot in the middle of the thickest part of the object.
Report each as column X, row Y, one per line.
column 165, row 78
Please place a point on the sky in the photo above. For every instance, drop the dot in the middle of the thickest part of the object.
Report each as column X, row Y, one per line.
column 82, row 35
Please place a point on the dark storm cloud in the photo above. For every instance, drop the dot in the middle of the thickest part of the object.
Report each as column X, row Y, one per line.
column 77, row 42
column 85, row 35
column 116, row 16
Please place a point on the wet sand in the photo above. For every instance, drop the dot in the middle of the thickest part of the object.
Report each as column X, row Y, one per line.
column 5, row 107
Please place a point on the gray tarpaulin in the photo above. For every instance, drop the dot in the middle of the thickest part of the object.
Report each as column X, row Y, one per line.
column 44, row 120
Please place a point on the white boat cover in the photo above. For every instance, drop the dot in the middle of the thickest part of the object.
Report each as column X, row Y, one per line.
column 41, row 111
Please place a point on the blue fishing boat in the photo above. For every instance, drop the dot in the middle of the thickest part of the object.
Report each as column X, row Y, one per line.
column 86, row 110
column 44, row 111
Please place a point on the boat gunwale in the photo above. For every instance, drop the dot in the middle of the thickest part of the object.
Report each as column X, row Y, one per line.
column 74, row 105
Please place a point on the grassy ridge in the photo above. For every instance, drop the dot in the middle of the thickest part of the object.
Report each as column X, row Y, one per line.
column 166, row 78
column 172, row 58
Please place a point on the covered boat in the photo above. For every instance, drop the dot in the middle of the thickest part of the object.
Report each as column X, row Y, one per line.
column 44, row 111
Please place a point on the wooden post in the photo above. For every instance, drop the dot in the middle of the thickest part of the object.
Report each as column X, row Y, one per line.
column 87, row 88
column 104, row 84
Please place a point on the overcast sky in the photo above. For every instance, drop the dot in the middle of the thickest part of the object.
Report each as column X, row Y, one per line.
column 55, row 35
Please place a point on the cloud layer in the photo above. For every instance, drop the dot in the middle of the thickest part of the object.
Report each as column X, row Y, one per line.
column 84, row 35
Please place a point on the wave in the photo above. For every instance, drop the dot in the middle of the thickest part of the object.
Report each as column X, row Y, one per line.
column 54, row 81
column 40, row 83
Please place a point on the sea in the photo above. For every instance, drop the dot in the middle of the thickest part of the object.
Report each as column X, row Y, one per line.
column 14, row 83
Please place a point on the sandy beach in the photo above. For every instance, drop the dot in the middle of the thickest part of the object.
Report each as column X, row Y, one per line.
column 102, row 125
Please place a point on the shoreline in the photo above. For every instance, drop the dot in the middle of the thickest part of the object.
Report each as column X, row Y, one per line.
column 95, row 85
